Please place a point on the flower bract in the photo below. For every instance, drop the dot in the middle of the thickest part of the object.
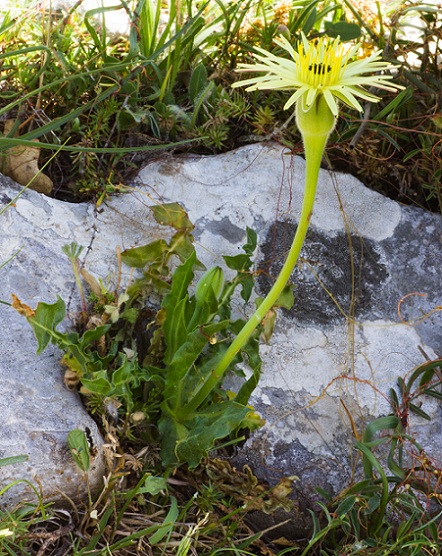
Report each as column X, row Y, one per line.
column 319, row 67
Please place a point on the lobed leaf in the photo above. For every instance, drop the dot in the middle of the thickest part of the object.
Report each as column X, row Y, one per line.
column 139, row 257
column 172, row 214
column 45, row 321
column 207, row 426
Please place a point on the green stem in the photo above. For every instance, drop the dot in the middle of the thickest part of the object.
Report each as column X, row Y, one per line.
column 314, row 146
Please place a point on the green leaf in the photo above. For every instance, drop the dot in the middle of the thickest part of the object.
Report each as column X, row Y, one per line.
column 242, row 263
column 91, row 336
column 324, row 494
column 252, row 238
column 168, row 524
column 433, row 393
column 99, row 384
column 125, row 379
column 79, row 448
column 204, row 311
column 170, row 433
column 373, row 504
column 6, row 24
column 212, row 280
column 399, row 99
column 172, row 214
column 189, row 442
column 139, row 257
column 207, row 298
column 239, row 262
column 182, row 245
column 72, row 250
column 181, row 280
column 44, row 323
column 200, row 100
column 131, row 315
column 183, row 360
column 394, row 400
column 437, row 120
column 12, row 460
column 198, row 81
column 424, row 372
column 123, row 374
column 247, row 282
column 175, row 304
column 154, row 485
column 200, row 434
column 285, row 299
column 406, row 526
column 125, row 119
column 412, row 153
column 251, row 349
column 196, row 374
column 175, row 329
column 345, row 31
column 346, row 505
column 418, row 411
column 310, row 21
column 394, row 467
column 370, row 462
column 387, row 136
column 426, row 378
column 375, row 426
column 380, row 424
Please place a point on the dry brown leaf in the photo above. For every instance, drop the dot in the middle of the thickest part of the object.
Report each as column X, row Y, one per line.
column 21, row 307
column 21, row 164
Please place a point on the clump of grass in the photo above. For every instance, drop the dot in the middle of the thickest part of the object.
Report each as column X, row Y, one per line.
column 138, row 512
column 101, row 98
column 408, row 144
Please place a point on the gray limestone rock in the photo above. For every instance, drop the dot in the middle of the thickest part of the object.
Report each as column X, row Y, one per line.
column 367, row 304
column 37, row 411
column 366, row 290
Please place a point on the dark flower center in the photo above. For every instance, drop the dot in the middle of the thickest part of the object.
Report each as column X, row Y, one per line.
column 319, row 69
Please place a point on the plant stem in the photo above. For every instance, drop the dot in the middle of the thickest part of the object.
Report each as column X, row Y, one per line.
column 314, row 146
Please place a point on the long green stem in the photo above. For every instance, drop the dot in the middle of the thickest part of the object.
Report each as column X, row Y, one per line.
column 314, row 146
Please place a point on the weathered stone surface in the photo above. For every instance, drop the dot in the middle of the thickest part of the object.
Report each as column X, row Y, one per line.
column 334, row 355
column 367, row 278
column 37, row 411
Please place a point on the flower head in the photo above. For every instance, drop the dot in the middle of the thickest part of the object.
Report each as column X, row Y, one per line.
column 321, row 67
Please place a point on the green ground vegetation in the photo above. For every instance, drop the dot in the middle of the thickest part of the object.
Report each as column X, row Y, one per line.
column 101, row 103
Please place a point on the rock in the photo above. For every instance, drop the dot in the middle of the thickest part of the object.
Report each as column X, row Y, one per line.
column 367, row 304
column 37, row 410
column 333, row 358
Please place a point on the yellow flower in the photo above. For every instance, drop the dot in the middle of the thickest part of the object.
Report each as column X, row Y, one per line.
column 321, row 67
column 322, row 73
